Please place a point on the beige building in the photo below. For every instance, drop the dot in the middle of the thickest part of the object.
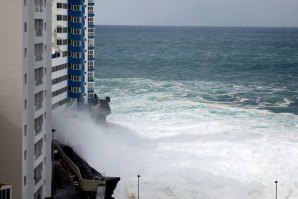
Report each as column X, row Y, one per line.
column 25, row 97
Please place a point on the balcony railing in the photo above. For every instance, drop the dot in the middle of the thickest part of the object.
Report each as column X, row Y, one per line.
column 90, row 67
column 38, row 58
column 38, row 130
column 38, row 154
column 38, row 106
column 38, row 33
column 37, row 178
column 38, row 9
column 38, row 82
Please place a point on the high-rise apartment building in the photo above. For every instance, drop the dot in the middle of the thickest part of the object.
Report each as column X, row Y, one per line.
column 72, row 52
column 25, row 105
column 59, row 54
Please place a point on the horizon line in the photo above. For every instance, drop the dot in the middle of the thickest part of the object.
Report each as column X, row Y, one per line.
column 193, row 26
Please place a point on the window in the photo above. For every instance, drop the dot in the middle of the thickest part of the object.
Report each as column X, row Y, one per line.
column 75, row 89
column 38, row 122
column 38, row 148
column 5, row 193
column 91, row 86
column 59, row 17
column 91, row 95
column 90, row 76
column 62, row 41
column 25, row 179
column 76, row 7
column 60, row 103
column 65, row 5
column 59, row 5
column 38, row 173
column 25, row 130
column 59, row 79
column 38, row 52
column 75, row 66
column 25, row 2
column 65, row 54
column 76, row 31
column 60, row 91
column 59, row 67
column 25, row 104
column 25, row 78
column 76, row 43
column 38, row 100
column 90, row 42
column 75, row 78
column 76, row 19
column 25, row 27
column 62, row 29
column 38, row 75
column 76, row 55
column 25, row 154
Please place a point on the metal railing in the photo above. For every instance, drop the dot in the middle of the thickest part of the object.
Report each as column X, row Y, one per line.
column 37, row 155
column 38, row 106
column 38, row 9
column 38, row 33
column 38, row 82
column 38, row 130
column 38, row 58
column 37, row 178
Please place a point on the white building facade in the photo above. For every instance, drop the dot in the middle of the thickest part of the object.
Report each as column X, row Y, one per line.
column 25, row 106
column 59, row 55
column 72, row 53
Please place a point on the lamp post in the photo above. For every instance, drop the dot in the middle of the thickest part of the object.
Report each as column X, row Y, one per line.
column 276, row 189
column 139, row 186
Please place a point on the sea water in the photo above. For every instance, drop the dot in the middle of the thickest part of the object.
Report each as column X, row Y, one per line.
column 218, row 108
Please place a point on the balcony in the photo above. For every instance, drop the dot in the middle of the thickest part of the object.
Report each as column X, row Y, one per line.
column 90, row 67
column 38, row 58
column 38, row 106
column 38, row 33
column 38, row 130
column 38, row 9
column 37, row 178
column 38, row 82
column 37, row 155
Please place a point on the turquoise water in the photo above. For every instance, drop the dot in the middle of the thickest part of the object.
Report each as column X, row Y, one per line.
column 217, row 106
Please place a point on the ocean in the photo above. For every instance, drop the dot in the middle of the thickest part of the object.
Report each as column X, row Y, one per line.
column 217, row 106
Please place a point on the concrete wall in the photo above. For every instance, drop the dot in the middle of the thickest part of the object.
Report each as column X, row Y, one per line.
column 11, row 94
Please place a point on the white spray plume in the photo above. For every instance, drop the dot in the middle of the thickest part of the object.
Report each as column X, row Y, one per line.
column 109, row 148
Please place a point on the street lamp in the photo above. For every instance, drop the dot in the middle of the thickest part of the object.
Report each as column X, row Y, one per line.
column 139, row 186
column 276, row 189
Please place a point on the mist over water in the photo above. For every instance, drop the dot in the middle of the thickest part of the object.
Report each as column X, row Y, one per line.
column 197, row 112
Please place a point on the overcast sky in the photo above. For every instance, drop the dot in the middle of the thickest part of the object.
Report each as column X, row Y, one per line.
column 197, row 12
